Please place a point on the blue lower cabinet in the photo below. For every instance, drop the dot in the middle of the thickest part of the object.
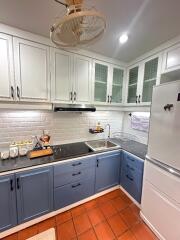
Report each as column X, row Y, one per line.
column 73, row 192
column 34, row 193
column 8, row 214
column 107, row 171
column 132, row 175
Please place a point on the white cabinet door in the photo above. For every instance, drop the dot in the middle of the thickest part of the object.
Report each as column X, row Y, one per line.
column 83, row 79
column 61, row 76
column 31, row 71
column 7, row 91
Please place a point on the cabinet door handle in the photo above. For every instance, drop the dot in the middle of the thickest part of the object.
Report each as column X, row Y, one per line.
column 11, row 185
column 97, row 163
column 12, row 92
column 108, row 99
column 18, row 183
column 136, row 99
column 18, row 92
column 71, row 96
column 75, row 174
column 139, row 99
column 130, row 178
column 77, row 185
column 131, row 168
column 76, row 164
column 75, row 95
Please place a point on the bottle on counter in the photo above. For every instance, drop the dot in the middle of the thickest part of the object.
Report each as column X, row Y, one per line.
column 98, row 126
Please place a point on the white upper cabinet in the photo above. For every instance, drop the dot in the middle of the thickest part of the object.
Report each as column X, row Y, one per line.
column 83, row 79
column 70, row 77
column 108, row 83
column 31, row 71
column 171, row 59
column 7, row 89
column 61, row 76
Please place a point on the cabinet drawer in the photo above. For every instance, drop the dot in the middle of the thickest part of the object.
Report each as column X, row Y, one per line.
column 64, row 177
column 132, row 182
column 133, row 161
column 73, row 192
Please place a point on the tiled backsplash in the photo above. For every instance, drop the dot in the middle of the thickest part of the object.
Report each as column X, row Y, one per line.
column 16, row 125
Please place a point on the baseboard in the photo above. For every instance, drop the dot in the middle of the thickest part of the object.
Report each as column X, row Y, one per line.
column 133, row 200
column 151, row 227
column 54, row 213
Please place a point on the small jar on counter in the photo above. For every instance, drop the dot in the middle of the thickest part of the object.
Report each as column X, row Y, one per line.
column 22, row 147
column 4, row 153
column 13, row 150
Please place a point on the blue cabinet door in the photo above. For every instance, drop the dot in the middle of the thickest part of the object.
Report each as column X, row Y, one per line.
column 34, row 193
column 107, row 171
column 8, row 214
column 132, row 175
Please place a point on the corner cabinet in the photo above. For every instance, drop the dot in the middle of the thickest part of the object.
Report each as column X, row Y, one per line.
column 107, row 170
column 32, row 75
column 7, row 89
column 8, row 213
column 108, row 83
column 70, row 77
column 141, row 79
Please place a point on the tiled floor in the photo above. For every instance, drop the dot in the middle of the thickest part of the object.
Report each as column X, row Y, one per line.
column 110, row 217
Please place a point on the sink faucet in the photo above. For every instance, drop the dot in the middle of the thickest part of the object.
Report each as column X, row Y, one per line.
column 109, row 132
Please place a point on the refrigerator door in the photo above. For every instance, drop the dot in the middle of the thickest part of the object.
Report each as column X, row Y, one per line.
column 164, row 135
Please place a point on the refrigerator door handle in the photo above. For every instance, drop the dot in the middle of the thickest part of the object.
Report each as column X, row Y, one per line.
column 168, row 106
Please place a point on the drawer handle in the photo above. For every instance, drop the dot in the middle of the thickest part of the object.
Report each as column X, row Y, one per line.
column 77, row 185
column 131, row 168
column 75, row 174
column 11, row 185
column 131, row 159
column 129, row 177
column 76, row 164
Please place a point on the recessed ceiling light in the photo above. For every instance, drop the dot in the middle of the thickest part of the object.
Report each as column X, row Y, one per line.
column 123, row 38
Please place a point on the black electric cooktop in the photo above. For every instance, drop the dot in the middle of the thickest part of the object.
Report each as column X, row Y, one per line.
column 70, row 150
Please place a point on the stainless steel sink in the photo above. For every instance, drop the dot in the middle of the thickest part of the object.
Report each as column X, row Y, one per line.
column 100, row 145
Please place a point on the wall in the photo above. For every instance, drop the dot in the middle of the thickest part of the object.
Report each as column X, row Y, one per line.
column 17, row 125
column 141, row 136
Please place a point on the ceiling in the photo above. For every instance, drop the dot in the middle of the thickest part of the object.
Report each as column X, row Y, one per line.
column 149, row 22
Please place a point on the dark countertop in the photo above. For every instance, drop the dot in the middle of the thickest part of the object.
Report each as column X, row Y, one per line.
column 136, row 148
column 133, row 147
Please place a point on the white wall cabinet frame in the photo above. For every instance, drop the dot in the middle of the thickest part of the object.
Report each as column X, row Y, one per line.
column 32, row 73
column 7, row 83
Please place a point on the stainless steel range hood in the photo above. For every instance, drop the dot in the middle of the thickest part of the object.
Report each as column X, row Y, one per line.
column 73, row 108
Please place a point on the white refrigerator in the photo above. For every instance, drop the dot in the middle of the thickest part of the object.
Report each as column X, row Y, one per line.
column 161, row 183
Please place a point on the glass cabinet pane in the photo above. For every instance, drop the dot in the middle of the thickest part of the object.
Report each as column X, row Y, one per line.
column 117, row 85
column 150, row 75
column 101, row 74
column 132, row 87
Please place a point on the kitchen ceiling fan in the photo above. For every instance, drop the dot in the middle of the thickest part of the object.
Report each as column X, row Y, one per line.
column 78, row 26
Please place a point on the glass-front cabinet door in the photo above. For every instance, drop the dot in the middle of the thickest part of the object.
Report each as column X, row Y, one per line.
column 100, row 82
column 149, row 80
column 117, row 85
column 132, row 85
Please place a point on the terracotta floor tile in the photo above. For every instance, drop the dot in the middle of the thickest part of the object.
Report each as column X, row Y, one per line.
column 119, row 203
column 78, row 211
column 117, row 225
column 141, row 231
column 47, row 224
column 89, row 235
column 108, row 209
column 127, row 236
column 66, row 231
column 82, row 223
column 135, row 209
column 114, row 194
column 95, row 216
column 102, row 199
column 104, row 232
column 126, row 199
column 129, row 217
column 11, row 237
column 63, row 217
column 28, row 232
column 90, row 205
